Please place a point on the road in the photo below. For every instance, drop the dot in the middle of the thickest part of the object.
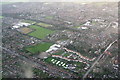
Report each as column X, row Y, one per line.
column 98, row 59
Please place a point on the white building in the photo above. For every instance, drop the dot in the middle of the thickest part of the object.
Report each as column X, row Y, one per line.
column 21, row 24
column 87, row 23
column 84, row 28
column 53, row 48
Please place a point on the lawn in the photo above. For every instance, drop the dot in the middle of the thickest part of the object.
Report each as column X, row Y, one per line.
column 64, row 63
column 57, row 62
column 40, row 32
column 78, row 26
column 58, row 53
column 1, row 17
column 66, row 54
column 42, row 47
column 29, row 21
column 49, row 17
column 44, row 24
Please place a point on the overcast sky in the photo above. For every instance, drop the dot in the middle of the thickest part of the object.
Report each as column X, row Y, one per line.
column 60, row 0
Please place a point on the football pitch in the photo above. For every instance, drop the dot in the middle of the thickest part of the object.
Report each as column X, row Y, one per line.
column 40, row 32
column 42, row 47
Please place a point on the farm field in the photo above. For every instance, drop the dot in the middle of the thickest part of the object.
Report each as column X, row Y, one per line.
column 42, row 47
column 40, row 32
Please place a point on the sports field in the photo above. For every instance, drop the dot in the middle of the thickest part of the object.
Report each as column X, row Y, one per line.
column 44, row 24
column 40, row 32
column 29, row 21
column 25, row 30
column 42, row 47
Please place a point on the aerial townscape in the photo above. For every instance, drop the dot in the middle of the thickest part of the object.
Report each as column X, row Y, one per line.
column 59, row 40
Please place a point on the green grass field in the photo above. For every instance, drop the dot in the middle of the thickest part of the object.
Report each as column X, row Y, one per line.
column 49, row 17
column 66, row 54
column 40, row 32
column 42, row 47
column 65, row 64
column 29, row 21
column 44, row 24
column 57, row 62
column 59, row 53
column 49, row 60
column 1, row 17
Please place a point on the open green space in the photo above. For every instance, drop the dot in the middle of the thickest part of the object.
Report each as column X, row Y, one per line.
column 44, row 24
column 40, row 32
column 48, row 17
column 42, row 47
column 77, row 26
column 62, row 53
column 58, row 53
column 29, row 21
column 57, row 62
column 64, row 63
column 66, row 54
column 1, row 17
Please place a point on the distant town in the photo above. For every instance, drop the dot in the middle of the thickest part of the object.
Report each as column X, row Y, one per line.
column 59, row 40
